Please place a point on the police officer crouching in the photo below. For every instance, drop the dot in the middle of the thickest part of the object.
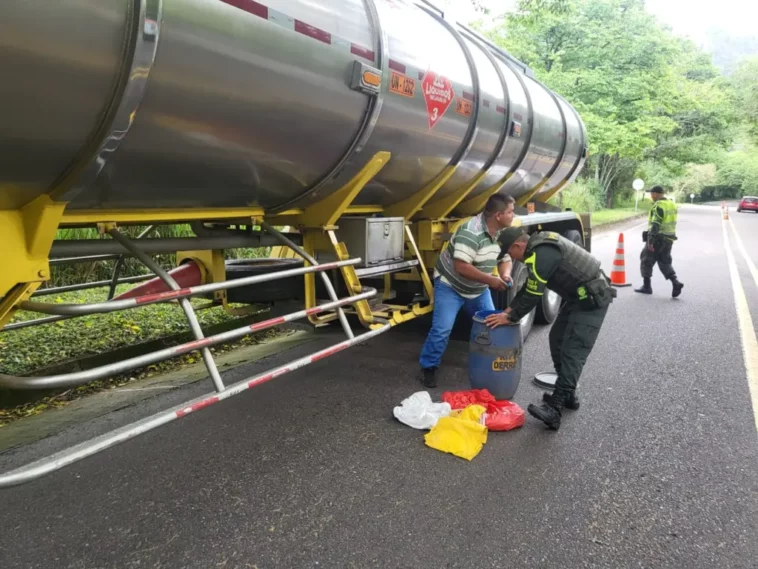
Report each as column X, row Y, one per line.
column 567, row 269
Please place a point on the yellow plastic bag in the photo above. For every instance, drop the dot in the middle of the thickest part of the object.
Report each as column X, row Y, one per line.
column 461, row 433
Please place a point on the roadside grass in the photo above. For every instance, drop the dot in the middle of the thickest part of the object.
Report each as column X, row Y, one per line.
column 607, row 216
column 28, row 349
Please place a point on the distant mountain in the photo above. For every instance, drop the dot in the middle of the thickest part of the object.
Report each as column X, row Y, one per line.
column 728, row 49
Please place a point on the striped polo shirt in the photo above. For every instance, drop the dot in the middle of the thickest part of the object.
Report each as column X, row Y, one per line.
column 473, row 244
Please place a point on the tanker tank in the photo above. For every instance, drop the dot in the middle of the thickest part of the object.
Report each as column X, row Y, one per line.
column 148, row 104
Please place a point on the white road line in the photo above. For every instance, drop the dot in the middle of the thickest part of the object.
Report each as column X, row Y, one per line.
column 741, row 247
column 747, row 332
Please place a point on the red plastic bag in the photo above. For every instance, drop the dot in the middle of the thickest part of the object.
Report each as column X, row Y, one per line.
column 462, row 399
column 504, row 416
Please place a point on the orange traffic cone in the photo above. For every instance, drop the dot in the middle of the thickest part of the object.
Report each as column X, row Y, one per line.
column 725, row 212
column 618, row 274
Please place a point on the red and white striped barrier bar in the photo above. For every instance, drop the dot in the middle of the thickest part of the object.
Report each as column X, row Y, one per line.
column 115, row 305
column 88, row 448
column 80, row 377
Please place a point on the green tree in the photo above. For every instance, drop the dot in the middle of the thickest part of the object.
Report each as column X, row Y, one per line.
column 613, row 62
column 744, row 83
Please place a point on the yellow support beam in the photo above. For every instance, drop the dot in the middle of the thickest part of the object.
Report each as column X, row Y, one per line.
column 523, row 200
column 428, row 286
column 549, row 194
column 151, row 216
column 362, row 307
column 26, row 236
column 327, row 211
column 476, row 204
column 411, row 206
column 445, row 206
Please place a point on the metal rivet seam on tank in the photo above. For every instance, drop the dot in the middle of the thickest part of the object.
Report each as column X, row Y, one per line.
column 500, row 145
column 473, row 126
column 529, row 106
column 584, row 143
column 381, row 48
column 564, row 145
column 370, row 117
column 140, row 64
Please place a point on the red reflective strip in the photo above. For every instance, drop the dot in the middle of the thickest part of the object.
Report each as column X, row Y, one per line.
column 260, row 380
column 618, row 263
column 161, row 296
column 188, row 347
column 468, row 96
column 619, row 251
column 500, row 110
column 397, row 66
column 249, row 6
column 361, row 51
column 327, row 353
column 313, row 310
column 197, row 406
column 267, row 323
column 313, row 32
column 486, row 103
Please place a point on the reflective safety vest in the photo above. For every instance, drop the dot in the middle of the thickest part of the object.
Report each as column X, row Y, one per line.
column 668, row 221
column 577, row 265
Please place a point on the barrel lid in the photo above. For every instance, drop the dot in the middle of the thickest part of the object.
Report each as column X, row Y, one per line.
column 481, row 315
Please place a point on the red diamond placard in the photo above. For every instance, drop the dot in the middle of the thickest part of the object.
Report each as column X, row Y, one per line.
column 438, row 94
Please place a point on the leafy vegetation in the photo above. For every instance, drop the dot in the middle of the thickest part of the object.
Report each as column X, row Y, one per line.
column 655, row 106
column 25, row 350
column 63, row 275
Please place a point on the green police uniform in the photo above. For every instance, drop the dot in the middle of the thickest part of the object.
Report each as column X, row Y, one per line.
column 556, row 263
column 661, row 234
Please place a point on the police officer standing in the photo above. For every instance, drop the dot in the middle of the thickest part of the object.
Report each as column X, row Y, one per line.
column 567, row 269
column 659, row 239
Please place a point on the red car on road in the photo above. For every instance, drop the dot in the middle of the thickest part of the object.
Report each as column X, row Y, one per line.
column 748, row 203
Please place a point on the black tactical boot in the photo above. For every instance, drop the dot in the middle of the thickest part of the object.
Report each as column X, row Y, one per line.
column 645, row 288
column 427, row 377
column 549, row 412
column 572, row 401
column 677, row 287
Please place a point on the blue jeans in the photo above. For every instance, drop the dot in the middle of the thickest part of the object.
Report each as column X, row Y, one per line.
column 447, row 304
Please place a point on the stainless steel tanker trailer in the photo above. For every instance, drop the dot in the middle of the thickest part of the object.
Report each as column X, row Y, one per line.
column 352, row 135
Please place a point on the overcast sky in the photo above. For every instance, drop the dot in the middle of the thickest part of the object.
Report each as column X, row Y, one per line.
column 692, row 18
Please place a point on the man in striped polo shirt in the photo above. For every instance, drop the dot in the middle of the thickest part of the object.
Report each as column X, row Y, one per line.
column 463, row 277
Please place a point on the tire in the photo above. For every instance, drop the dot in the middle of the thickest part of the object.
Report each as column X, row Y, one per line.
column 548, row 309
column 519, row 273
column 271, row 291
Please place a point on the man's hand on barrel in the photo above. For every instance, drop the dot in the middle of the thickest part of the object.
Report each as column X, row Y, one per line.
column 500, row 319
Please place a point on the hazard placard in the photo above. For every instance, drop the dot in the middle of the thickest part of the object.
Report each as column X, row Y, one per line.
column 402, row 85
column 464, row 107
column 438, row 94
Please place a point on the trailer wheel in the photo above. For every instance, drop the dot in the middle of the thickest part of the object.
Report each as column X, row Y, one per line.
column 574, row 236
column 271, row 291
column 548, row 309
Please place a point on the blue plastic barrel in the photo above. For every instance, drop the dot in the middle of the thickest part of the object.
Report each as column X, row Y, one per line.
column 494, row 358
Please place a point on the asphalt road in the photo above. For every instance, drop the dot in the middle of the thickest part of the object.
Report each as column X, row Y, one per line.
column 659, row 468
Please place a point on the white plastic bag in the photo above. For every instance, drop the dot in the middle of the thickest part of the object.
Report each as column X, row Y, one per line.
column 418, row 411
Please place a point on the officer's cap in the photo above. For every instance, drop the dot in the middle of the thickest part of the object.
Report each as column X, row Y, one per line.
column 656, row 190
column 508, row 237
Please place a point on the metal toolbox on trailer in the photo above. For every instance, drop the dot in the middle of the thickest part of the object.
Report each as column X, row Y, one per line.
column 375, row 240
